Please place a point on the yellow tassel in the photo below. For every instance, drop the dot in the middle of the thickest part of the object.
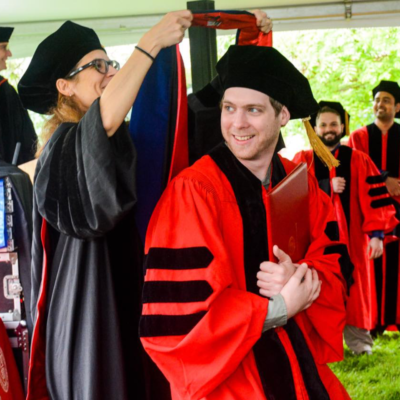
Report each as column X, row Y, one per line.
column 346, row 124
column 320, row 149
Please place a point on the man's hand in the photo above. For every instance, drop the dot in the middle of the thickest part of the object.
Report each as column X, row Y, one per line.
column 272, row 277
column 375, row 248
column 302, row 289
column 264, row 23
column 393, row 186
column 338, row 184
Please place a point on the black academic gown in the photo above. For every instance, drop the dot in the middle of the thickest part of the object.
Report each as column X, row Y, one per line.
column 15, row 126
column 85, row 343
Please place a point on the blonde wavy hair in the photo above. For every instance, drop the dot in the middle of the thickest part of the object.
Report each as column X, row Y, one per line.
column 66, row 110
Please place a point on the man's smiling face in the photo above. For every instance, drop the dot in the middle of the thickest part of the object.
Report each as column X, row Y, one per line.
column 329, row 128
column 249, row 123
column 385, row 107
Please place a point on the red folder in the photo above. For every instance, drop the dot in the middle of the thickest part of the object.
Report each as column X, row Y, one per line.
column 287, row 209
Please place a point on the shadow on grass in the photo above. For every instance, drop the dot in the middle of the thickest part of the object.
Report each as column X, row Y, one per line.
column 372, row 377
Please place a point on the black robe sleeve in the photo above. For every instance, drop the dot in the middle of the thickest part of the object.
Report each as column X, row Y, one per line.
column 85, row 181
column 325, row 185
column 15, row 126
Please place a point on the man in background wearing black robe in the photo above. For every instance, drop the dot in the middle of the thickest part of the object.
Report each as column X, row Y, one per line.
column 15, row 124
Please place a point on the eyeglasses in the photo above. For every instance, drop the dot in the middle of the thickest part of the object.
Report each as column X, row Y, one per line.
column 99, row 64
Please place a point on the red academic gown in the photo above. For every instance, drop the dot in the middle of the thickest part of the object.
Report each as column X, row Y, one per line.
column 384, row 151
column 360, row 210
column 202, row 313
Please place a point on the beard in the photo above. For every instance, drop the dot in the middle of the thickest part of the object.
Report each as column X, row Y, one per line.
column 330, row 142
column 383, row 115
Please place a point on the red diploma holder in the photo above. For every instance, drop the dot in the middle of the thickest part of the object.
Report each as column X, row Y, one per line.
column 288, row 215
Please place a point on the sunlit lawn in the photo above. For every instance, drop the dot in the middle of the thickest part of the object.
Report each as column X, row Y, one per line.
column 376, row 376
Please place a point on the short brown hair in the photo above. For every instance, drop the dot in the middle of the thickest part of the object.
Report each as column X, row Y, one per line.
column 327, row 109
column 276, row 106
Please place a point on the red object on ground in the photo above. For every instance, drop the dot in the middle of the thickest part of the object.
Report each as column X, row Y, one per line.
column 10, row 381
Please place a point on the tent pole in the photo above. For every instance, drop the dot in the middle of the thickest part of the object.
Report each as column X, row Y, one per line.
column 203, row 48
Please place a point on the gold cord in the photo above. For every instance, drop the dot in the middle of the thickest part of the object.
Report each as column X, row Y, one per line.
column 320, row 149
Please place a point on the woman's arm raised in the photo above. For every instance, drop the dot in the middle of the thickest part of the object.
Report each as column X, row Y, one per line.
column 121, row 92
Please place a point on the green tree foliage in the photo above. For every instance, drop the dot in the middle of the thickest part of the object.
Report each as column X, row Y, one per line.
column 342, row 65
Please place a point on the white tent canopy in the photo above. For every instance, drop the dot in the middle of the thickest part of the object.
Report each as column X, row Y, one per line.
column 124, row 21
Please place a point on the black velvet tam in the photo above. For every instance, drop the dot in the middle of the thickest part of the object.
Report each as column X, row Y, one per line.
column 266, row 70
column 389, row 87
column 54, row 58
column 5, row 33
column 335, row 105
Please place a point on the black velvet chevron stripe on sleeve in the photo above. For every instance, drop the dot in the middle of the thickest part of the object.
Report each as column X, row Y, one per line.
column 346, row 266
column 378, row 191
column 332, row 231
column 176, row 292
column 178, row 259
column 168, row 325
column 374, row 179
column 382, row 203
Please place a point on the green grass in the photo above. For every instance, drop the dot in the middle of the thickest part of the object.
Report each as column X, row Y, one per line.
column 372, row 377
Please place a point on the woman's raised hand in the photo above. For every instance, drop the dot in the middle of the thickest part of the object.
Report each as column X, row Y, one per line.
column 264, row 22
column 168, row 32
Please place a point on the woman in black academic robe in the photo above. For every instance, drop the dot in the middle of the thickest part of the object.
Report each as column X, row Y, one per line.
column 86, row 269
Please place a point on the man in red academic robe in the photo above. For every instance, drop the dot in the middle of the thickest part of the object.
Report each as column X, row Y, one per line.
column 381, row 141
column 219, row 319
column 363, row 217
